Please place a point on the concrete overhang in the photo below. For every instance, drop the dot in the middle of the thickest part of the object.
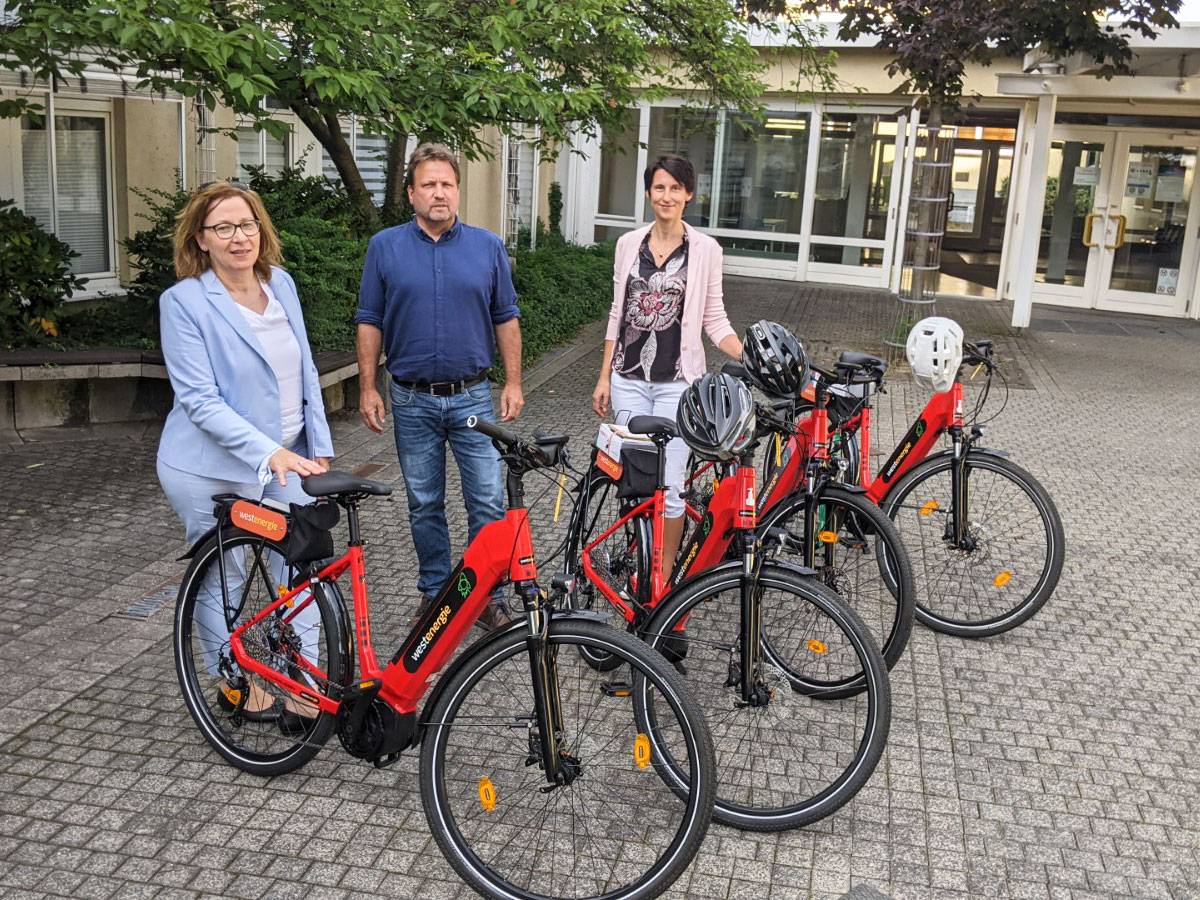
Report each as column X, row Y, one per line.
column 1123, row 87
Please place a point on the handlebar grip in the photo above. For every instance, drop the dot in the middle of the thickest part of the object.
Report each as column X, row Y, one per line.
column 492, row 430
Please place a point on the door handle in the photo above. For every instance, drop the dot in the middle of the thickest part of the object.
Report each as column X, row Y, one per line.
column 1088, row 223
column 1121, row 223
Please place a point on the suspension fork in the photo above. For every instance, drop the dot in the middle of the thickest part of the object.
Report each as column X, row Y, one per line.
column 751, row 620
column 958, row 487
column 543, row 671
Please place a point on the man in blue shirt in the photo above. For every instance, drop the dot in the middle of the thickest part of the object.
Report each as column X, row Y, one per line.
column 437, row 297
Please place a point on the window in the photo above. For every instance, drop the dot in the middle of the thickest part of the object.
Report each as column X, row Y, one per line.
column 762, row 173
column 854, row 175
column 259, row 149
column 620, row 180
column 67, row 191
column 370, row 154
column 689, row 134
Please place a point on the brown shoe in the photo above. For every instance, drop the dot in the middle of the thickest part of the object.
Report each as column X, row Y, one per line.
column 422, row 607
column 495, row 616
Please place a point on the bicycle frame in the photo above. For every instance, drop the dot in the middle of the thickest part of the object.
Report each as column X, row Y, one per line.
column 503, row 547
column 731, row 510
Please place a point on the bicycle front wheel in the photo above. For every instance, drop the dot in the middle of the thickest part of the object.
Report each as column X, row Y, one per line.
column 1009, row 559
column 255, row 725
column 860, row 555
column 617, row 829
column 816, row 740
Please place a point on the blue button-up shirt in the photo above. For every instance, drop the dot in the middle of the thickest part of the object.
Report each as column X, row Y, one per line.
column 437, row 302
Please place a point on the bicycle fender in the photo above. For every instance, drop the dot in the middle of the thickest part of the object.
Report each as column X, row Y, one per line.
column 790, row 567
column 849, row 488
column 195, row 548
column 990, row 451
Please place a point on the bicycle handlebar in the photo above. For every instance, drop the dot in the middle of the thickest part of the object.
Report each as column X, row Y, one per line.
column 512, row 441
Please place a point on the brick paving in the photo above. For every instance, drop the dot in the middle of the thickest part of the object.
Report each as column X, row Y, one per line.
column 1059, row 760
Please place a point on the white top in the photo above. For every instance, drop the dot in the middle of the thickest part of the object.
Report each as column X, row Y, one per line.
column 283, row 353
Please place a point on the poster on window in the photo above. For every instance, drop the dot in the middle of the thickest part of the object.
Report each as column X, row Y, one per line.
column 1139, row 181
column 1169, row 186
column 1168, row 282
column 1086, row 176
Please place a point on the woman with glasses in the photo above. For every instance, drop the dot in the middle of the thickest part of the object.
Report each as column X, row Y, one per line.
column 248, row 417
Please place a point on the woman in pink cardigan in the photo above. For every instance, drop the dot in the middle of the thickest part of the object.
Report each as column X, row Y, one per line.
column 666, row 286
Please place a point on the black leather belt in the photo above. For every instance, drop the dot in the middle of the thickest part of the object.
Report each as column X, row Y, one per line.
column 441, row 388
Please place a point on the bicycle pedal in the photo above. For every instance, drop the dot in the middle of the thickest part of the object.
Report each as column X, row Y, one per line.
column 382, row 762
column 616, row 689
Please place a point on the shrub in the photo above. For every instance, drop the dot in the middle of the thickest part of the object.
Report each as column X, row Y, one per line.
column 560, row 288
column 322, row 251
column 35, row 278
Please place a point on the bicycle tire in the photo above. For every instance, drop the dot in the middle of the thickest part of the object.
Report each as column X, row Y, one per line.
column 873, row 572
column 1003, row 595
column 200, row 640
column 628, row 560
column 770, row 775
column 586, row 817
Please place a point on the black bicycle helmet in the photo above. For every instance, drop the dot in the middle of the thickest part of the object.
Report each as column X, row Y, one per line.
column 716, row 416
column 774, row 359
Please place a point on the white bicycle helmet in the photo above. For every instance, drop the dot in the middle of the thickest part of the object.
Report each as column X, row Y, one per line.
column 935, row 349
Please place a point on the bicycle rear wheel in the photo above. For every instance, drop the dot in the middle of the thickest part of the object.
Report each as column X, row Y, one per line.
column 1011, row 556
column 617, row 829
column 862, row 558
column 254, row 724
column 817, row 740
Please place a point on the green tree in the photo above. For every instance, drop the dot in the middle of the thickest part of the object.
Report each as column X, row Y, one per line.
column 933, row 41
column 439, row 69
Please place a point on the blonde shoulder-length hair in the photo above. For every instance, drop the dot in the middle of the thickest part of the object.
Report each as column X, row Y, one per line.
column 191, row 261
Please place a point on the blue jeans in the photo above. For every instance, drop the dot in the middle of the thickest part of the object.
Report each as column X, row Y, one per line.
column 423, row 424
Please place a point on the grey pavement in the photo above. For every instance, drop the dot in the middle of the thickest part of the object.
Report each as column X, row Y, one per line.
column 1059, row 760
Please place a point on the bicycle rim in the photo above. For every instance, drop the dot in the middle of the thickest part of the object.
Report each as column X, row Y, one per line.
column 618, row 829
column 1014, row 552
column 211, row 682
column 810, row 749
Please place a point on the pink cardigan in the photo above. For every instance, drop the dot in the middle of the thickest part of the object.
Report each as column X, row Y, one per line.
column 702, row 301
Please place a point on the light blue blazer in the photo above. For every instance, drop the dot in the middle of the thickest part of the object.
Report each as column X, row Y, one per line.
column 225, row 421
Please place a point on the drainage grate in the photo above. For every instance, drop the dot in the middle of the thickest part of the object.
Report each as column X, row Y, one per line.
column 148, row 606
column 367, row 471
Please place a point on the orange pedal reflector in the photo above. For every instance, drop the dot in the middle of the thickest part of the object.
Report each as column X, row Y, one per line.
column 827, row 537
column 641, row 751
column 487, row 794
column 233, row 695
column 817, row 647
column 1002, row 579
column 928, row 508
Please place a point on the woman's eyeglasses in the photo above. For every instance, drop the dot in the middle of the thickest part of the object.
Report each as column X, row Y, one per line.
column 225, row 230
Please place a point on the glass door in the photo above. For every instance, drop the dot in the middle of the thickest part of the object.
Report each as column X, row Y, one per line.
column 1118, row 224
column 1148, row 248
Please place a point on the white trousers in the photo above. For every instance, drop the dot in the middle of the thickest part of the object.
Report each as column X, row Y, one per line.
column 191, row 497
column 633, row 397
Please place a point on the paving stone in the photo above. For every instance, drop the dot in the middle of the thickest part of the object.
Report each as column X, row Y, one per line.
column 1057, row 760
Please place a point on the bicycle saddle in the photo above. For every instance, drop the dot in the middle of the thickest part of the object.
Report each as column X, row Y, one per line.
column 851, row 363
column 653, row 426
column 331, row 483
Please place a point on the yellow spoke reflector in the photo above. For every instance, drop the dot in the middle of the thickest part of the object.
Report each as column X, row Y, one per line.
column 641, row 751
column 233, row 695
column 487, row 794
column 817, row 647
column 827, row 537
column 562, row 484
column 1002, row 579
column 928, row 508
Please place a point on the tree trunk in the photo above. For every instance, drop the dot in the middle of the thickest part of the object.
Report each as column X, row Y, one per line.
column 395, row 198
column 327, row 130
